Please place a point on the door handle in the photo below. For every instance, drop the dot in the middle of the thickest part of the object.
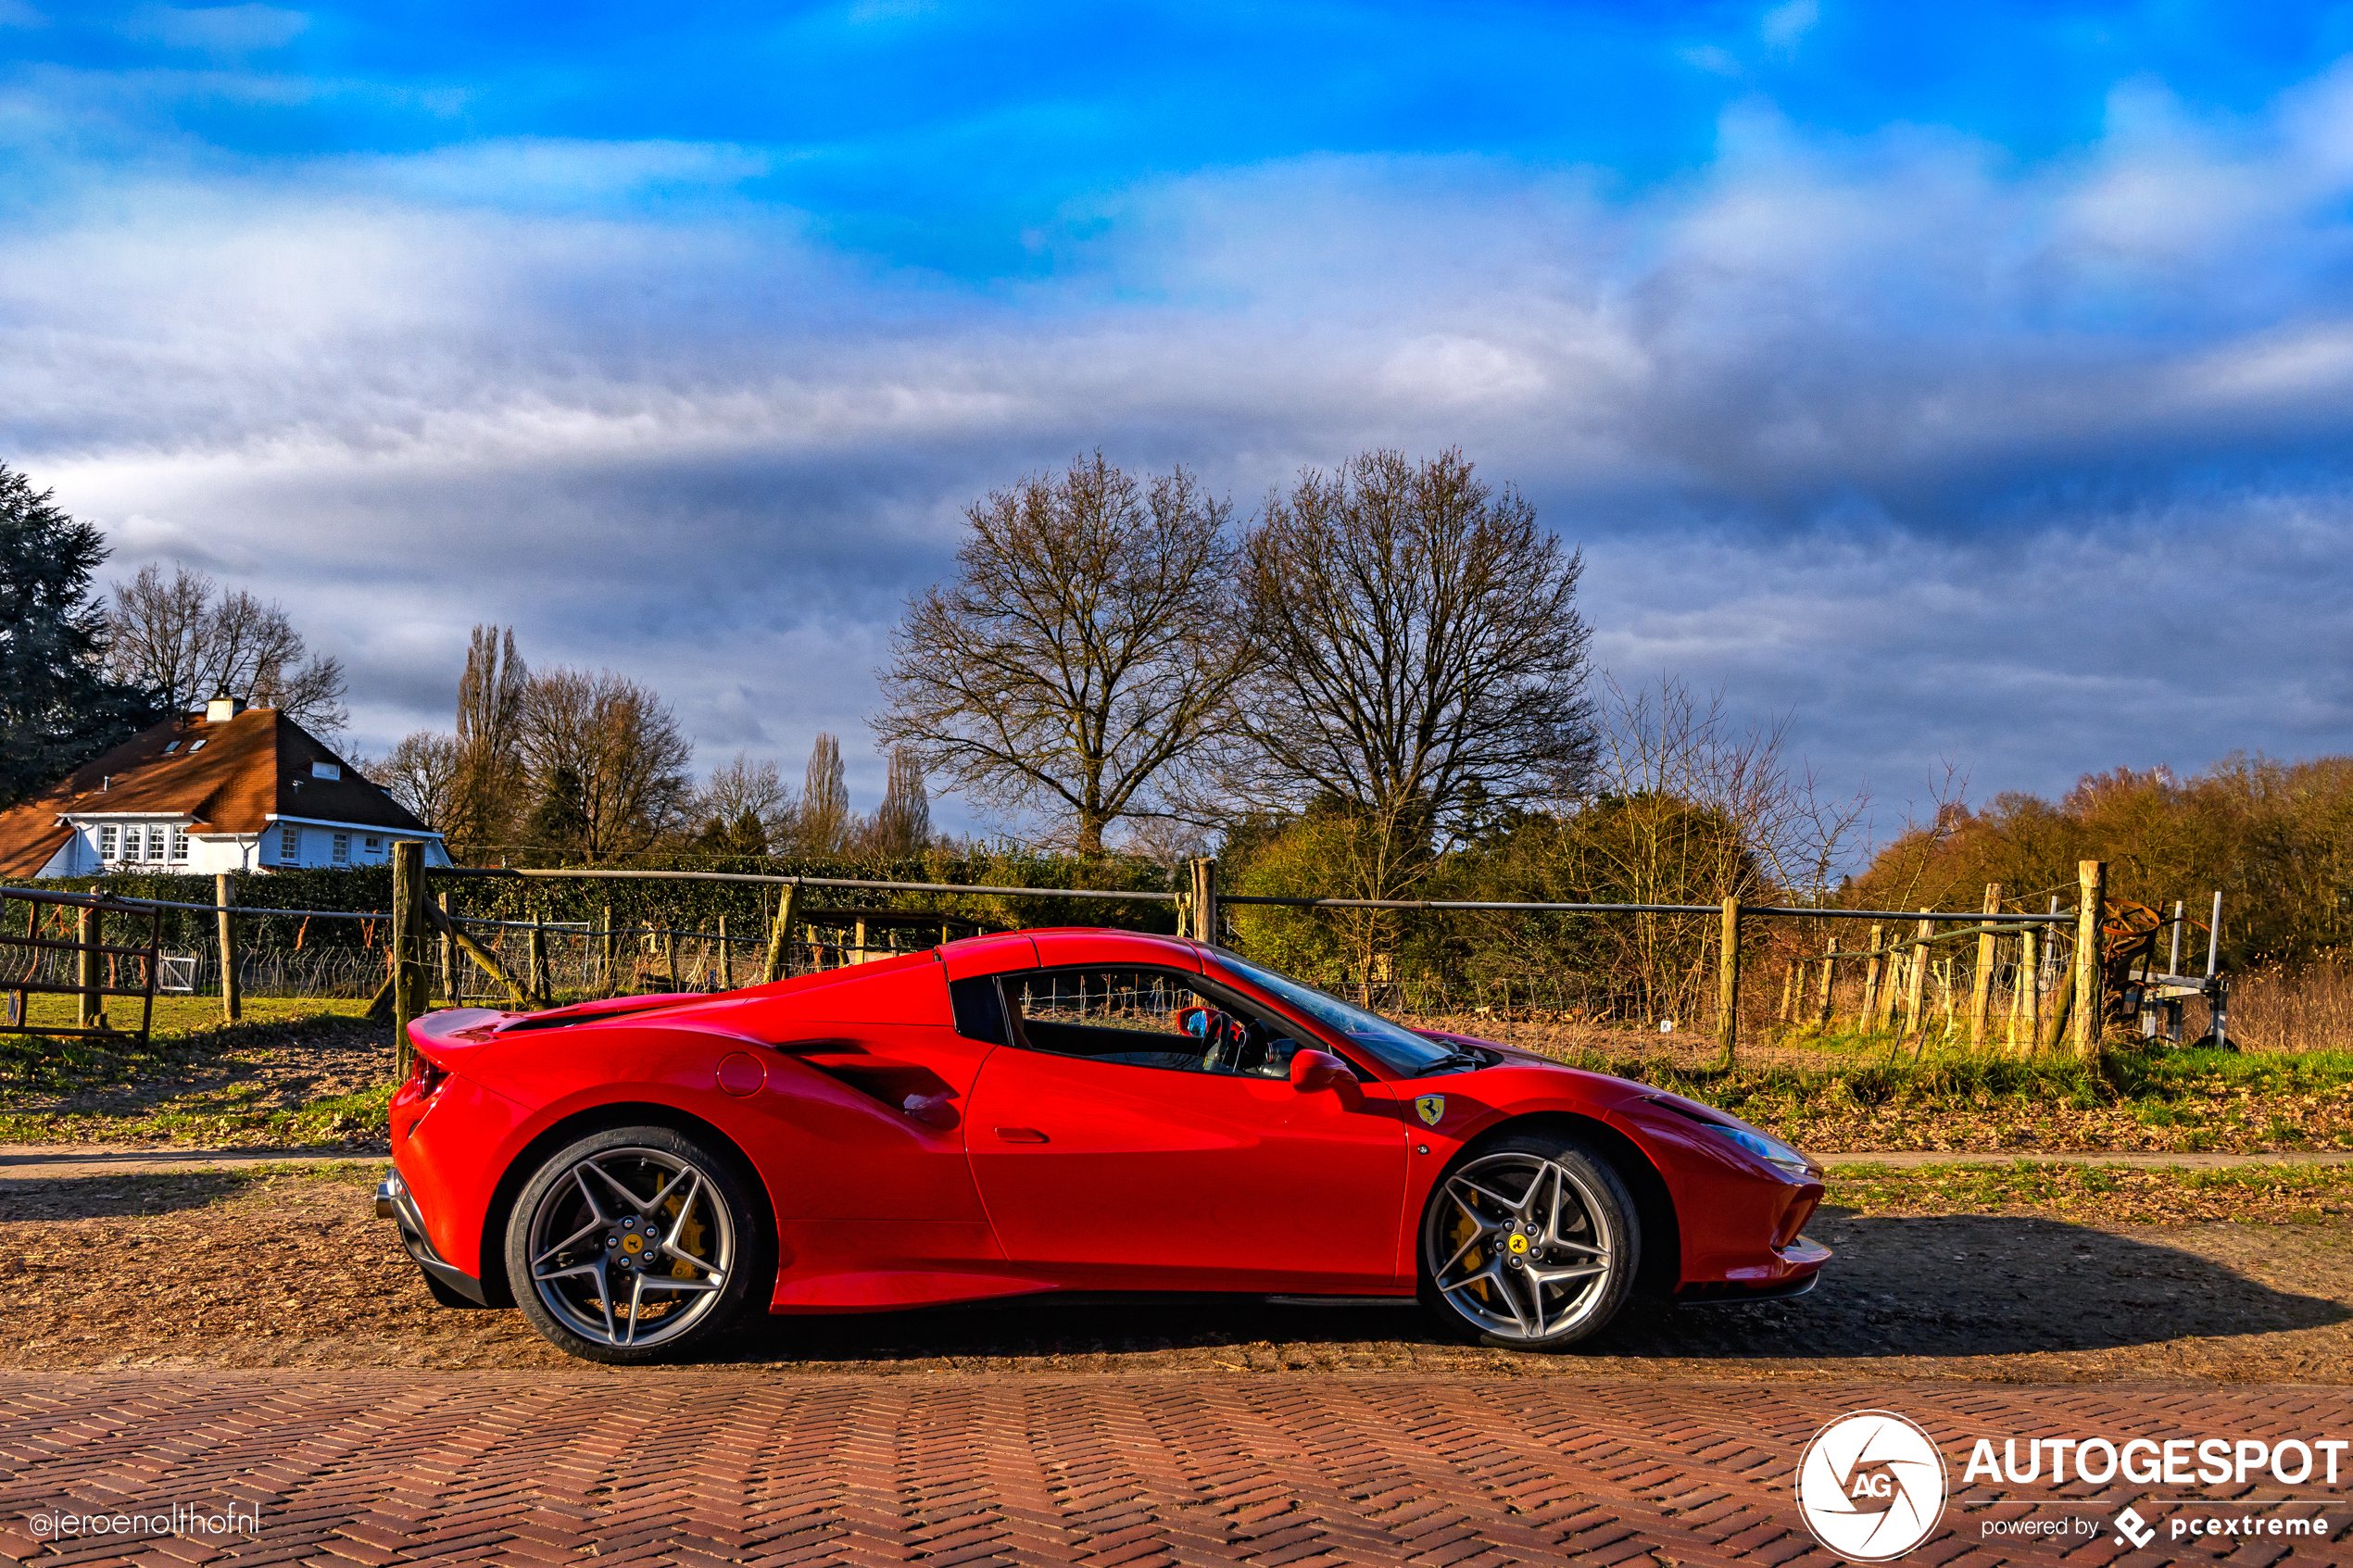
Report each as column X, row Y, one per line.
column 1020, row 1134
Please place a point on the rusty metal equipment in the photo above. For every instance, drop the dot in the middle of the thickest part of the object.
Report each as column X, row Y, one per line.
column 2139, row 992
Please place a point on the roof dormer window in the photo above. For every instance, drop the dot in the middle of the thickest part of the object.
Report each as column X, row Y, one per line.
column 326, row 770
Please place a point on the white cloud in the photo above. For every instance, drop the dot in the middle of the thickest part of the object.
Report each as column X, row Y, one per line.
column 218, row 29
column 1785, row 25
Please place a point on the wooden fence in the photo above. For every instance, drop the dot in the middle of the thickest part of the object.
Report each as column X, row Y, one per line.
column 1895, row 963
column 97, row 963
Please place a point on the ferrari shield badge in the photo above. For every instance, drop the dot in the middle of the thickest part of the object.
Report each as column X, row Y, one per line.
column 1431, row 1109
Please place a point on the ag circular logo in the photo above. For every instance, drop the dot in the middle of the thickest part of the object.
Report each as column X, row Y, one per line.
column 1872, row 1486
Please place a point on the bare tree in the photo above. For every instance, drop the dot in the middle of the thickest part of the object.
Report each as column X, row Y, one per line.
column 1419, row 650
column 902, row 823
column 158, row 630
column 607, row 761
column 745, row 808
column 827, row 821
column 1085, row 644
column 1688, row 804
column 422, row 772
column 172, row 636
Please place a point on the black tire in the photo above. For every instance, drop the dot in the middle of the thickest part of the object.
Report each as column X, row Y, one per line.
column 1540, row 1214
column 685, row 1253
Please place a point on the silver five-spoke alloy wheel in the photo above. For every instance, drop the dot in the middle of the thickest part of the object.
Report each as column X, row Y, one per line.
column 629, row 1244
column 1531, row 1243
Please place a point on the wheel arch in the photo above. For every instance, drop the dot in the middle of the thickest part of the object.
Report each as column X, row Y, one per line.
column 579, row 1124
column 1661, row 1270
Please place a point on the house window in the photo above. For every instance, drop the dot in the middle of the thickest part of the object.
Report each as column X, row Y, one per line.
column 172, row 748
column 326, row 770
column 343, row 850
column 196, row 745
column 289, row 846
column 110, row 842
column 372, row 846
column 180, row 844
column 134, row 844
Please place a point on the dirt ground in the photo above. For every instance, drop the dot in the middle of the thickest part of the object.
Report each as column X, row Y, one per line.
column 300, row 1079
column 293, row 1269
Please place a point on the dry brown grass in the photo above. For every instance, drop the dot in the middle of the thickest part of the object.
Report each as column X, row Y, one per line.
column 2275, row 1009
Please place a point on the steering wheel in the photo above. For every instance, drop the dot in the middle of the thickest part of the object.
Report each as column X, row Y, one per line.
column 1226, row 1041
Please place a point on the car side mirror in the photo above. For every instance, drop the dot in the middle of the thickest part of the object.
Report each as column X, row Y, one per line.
column 1311, row 1071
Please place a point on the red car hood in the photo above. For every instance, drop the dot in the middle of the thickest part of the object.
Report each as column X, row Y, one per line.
column 1605, row 1087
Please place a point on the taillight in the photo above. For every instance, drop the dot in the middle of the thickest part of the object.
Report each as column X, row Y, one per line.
column 430, row 1077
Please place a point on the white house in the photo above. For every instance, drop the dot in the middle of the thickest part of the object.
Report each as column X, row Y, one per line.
column 229, row 789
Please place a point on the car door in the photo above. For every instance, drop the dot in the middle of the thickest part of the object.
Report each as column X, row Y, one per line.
column 1111, row 1145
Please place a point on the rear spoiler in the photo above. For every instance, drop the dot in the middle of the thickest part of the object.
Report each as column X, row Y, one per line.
column 597, row 1013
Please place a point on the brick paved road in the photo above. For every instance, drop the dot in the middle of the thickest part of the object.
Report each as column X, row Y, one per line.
column 711, row 1466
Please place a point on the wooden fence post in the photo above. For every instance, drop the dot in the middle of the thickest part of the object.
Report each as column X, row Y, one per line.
column 1829, row 977
column 1916, row 990
column 788, row 906
column 232, row 1000
column 408, row 947
column 1789, row 988
column 1872, row 966
column 1981, row 994
column 536, row 954
column 2091, row 1003
column 448, row 955
column 726, row 958
column 2026, row 997
column 609, row 955
column 1205, row 899
column 669, row 954
column 89, row 929
column 1728, row 983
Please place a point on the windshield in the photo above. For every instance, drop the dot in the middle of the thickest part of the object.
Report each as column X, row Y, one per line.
column 1396, row 1047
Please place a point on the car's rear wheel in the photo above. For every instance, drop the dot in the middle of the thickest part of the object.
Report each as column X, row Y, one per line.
column 632, row 1245
column 1532, row 1242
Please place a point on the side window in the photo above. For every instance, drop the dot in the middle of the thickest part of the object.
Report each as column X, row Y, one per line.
column 980, row 1012
column 289, row 845
column 1146, row 1018
column 109, row 845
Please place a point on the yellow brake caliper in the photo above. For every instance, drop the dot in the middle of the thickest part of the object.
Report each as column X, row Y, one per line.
column 1464, row 1230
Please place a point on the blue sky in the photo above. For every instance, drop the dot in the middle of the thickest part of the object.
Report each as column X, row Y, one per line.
column 1975, row 385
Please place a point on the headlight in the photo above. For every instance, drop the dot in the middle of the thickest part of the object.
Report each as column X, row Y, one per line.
column 1771, row 1151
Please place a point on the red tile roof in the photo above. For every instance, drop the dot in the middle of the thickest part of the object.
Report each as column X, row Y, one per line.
column 248, row 769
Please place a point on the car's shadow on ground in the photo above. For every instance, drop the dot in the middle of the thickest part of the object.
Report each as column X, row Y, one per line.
column 113, row 1196
column 1942, row 1286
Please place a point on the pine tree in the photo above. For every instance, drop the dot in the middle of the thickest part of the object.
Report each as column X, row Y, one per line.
column 58, row 708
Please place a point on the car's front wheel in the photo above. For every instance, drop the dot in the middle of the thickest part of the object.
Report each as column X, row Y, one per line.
column 632, row 1245
column 1532, row 1242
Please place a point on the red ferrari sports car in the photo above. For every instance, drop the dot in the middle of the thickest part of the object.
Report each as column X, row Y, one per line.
column 1055, row 1110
